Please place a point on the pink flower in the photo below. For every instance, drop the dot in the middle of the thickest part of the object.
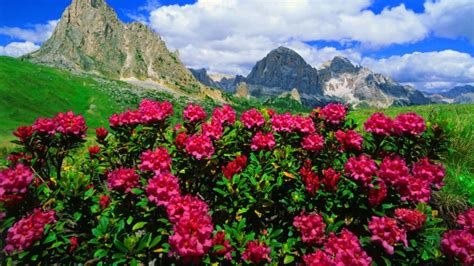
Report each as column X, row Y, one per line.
column 310, row 178
column 333, row 113
column 194, row 113
column 162, row 188
column 104, row 201
column 156, row 161
column 427, row 171
column 386, row 231
column 226, row 114
column 252, row 118
column 24, row 133
column 460, row 244
column 18, row 157
column 123, row 180
column 101, row 133
column 313, row 142
column 28, row 230
column 180, row 207
column 200, row 146
column 394, row 171
column 234, row 167
column 346, row 249
column 411, row 220
column 153, row 112
column 128, row 118
column 14, row 181
column 379, row 124
column 409, row 123
column 415, row 190
column 180, row 140
column 361, row 168
column 349, row 140
column 330, row 179
column 304, row 125
column 93, row 151
column 311, row 227
column 377, row 193
column 212, row 129
column 73, row 243
column 282, row 123
column 318, row 258
column 467, row 220
column 221, row 245
column 45, row 126
column 261, row 141
column 70, row 124
column 256, row 252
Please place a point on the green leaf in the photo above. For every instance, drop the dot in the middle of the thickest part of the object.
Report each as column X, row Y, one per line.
column 139, row 225
column 51, row 237
column 137, row 191
column 155, row 241
column 288, row 259
column 120, row 245
column 129, row 220
column 100, row 253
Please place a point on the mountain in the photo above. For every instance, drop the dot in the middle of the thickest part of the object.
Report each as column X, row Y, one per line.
column 458, row 94
column 90, row 38
column 285, row 72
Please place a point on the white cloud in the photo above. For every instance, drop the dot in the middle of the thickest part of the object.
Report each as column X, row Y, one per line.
column 16, row 49
column 37, row 33
column 427, row 70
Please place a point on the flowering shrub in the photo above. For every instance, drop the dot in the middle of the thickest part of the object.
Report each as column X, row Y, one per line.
column 267, row 189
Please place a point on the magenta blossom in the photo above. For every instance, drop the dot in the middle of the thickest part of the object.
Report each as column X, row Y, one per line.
column 200, row 146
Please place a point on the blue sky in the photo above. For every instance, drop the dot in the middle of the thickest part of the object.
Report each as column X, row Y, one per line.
column 429, row 44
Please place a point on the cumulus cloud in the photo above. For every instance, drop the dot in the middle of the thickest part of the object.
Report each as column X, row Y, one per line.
column 36, row 34
column 16, row 49
column 429, row 70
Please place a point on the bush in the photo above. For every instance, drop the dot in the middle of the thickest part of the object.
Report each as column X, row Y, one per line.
column 270, row 188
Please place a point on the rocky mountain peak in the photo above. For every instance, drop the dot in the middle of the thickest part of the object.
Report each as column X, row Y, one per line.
column 340, row 65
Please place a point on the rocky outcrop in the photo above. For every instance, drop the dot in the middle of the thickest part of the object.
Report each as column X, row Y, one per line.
column 90, row 38
column 458, row 94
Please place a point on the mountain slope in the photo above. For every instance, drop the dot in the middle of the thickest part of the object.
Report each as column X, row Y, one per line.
column 90, row 38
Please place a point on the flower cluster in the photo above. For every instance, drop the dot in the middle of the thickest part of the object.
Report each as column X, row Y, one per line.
column 212, row 129
column 386, row 231
column 333, row 113
column 199, row 146
column 162, row 188
column 330, row 179
column 252, row 118
column 234, row 167
column 303, row 124
column 221, row 245
column 379, row 124
column 466, row 220
column 426, row 170
column 282, row 122
column 24, row 133
column 361, row 168
column 156, row 161
column 460, row 243
column 14, row 181
column 149, row 112
column 411, row 220
column 394, row 171
column 349, row 140
column 309, row 178
column 101, row 133
column 129, row 118
column 28, row 230
column 261, row 141
column 194, row 113
column 313, row 142
column 256, row 252
column 123, row 179
column 67, row 124
column 377, row 193
column 224, row 115
column 311, row 227
column 409, row 123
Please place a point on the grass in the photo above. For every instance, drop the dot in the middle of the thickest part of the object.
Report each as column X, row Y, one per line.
column 29, row 91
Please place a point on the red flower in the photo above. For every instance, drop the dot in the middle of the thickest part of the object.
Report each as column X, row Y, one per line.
column 261, row 141
column 415, row 190
column 409, row 123
column 394, row 171
column 180, row 140
column 101, row 133
column 226, row 114
column 427, row 171
column 377, row 193
column 256, row 252
column 127, row 118
column 19, row 157
column 45, row 126
column 73, row 243
column 411, row 220
column 467, row 220
column 386, row 231
column 70, row 124
column 309, row 178
column 283, row 122
column 28, row 230
column 212, row 129
column 222, row 246
column 123, row 180
column 251, row 118
column 179, row 207
column 14, row 181
column 194, row 113
column 23, row 133
column 330, row 179
column 318, row 258
column 311, row 227
column 313, row 142
column 153, row 112
column 234, row 167
column 361, row 168
column 333, row 113
column 156, row 161
column 379, row 124
column 460, row 244
column 304, row 124
column 93, row 151
column 346, row 249
column 349, row 140
column 104, row 201
column 200, row 146
column 162, row 188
